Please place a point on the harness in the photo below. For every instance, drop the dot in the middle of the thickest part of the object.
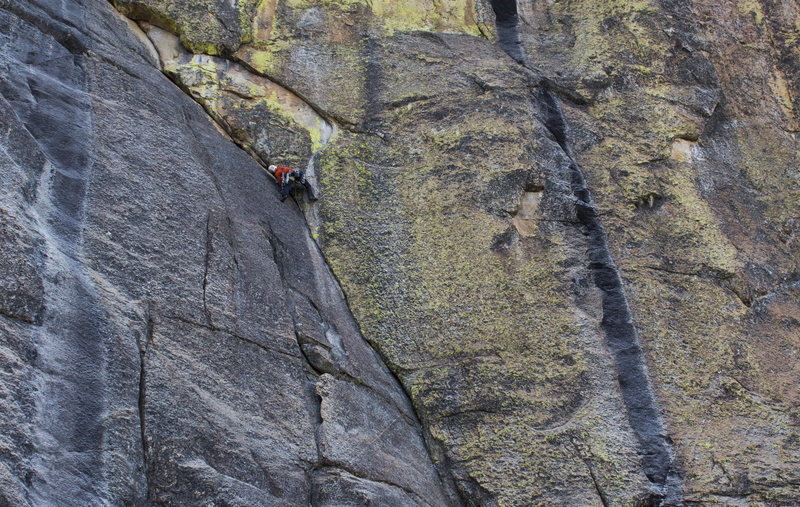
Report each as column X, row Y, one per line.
column 297, row 174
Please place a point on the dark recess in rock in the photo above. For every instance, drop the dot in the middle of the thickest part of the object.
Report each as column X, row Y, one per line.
column 502, row 242
column 617, row 325
column 649, row 202
column 507, row 22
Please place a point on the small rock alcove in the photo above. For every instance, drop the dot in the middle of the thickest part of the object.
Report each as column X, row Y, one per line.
column 527, row 213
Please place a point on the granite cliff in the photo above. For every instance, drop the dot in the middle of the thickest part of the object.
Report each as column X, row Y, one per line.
column 554, row 261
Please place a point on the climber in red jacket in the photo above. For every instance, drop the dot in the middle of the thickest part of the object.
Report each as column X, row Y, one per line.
column 288, row 177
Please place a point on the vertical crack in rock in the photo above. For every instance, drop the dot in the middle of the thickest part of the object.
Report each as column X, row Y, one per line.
column 318, row 370
column 617, row 324
column 328, row 131
column 142, row 401
column 209, row 249
column 600, row 493
column 271, row 238
column 507, row 25
column 436, row 453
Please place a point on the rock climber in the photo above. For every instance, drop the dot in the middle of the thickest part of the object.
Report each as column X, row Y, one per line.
column 288, row 177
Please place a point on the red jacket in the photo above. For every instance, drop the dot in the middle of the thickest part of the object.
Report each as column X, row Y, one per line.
column 281, row 171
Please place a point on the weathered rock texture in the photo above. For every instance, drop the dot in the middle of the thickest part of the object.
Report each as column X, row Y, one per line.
column 170, row 332
column 580, row 258
column 683, row 116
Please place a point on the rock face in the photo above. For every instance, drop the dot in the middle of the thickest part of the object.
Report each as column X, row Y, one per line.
column 683, row 116
column 579, row 257
column 170, row 332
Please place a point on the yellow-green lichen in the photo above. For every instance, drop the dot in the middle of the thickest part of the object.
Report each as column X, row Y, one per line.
column 604, row 31
column 337, row 4
column 752, row 8
column 407, row 15
column 267, row 62
column 485, row 341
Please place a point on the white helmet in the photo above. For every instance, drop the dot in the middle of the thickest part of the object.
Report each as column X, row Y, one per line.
column 273, row 168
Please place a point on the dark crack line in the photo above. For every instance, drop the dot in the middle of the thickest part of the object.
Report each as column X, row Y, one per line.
column 142, row 402
column 563, row 92
column 705, row 273
column 343, row 375
column 18, row 318
column 481, row 31
column 617, row 324
column 308, row 362
column 209, row 249
column 270, row 235
column 431, row 445
column 235, row 335
column 409, row 100
column 600, row 492
column 334, row 464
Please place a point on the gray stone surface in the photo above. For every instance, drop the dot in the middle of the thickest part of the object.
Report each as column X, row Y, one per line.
column 155, row 296
column 594, row 307
column 349, row 441
column 336, row 487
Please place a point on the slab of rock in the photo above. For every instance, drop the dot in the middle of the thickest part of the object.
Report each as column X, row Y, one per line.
column 502, row 313
column 555, row 292
column 155, row 292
